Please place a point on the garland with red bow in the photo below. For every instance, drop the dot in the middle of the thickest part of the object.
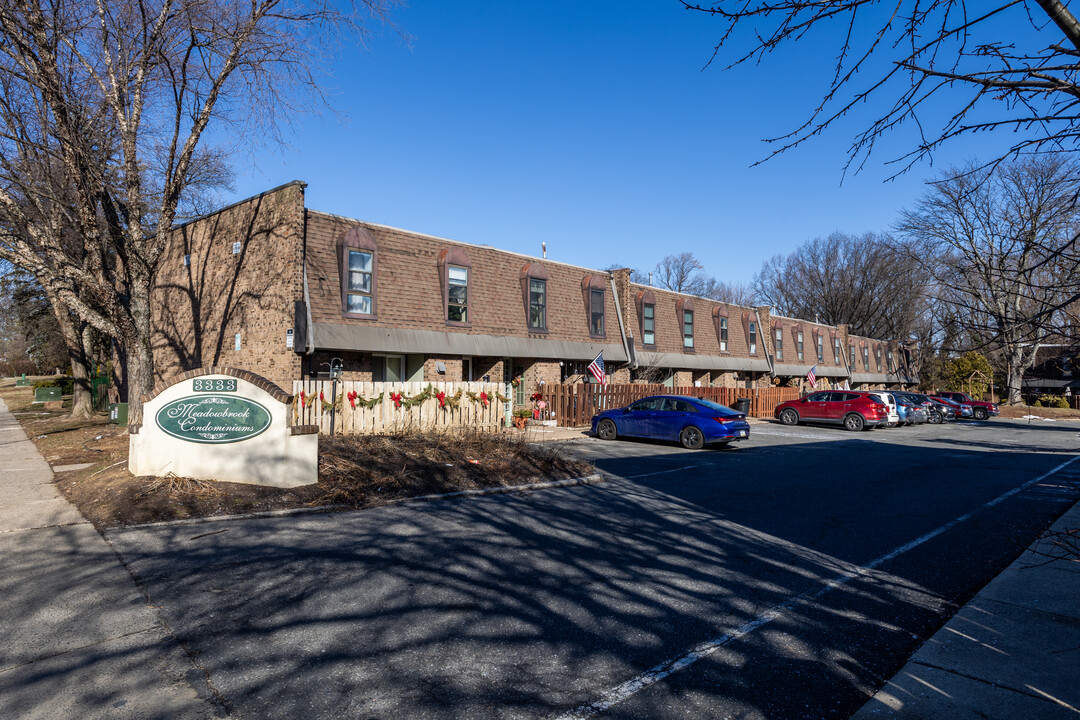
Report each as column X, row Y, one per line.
column 356, row 398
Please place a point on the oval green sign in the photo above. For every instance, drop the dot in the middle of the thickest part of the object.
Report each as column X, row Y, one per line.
column 213, row 418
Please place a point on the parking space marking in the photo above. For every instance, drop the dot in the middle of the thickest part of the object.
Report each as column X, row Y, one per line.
column 668, row 668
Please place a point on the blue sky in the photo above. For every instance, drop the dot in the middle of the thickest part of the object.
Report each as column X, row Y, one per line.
column 591, row 126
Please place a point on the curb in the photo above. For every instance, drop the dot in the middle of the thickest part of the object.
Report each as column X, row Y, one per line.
column 593, row 479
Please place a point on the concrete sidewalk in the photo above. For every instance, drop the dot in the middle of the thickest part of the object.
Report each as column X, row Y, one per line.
column 77, row 639
column 1012, row 652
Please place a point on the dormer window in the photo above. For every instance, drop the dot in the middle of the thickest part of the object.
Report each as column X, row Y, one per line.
column 455, row 269
column 866, row 358
column 852, row 353
column 648, row 324
column 820, row 348
column 596, row 312
column 537, row 304
column 800, row 346
column 534, row 295
column 593, row 292
column 358, row 254
column 752, row 333
column 645, row 302
column 457, row 301
column 837, row 352
column 688, row 329
column 779, row 343
column 877, row 358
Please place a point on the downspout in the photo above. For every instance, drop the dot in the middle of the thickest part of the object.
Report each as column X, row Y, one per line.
column 309, row 336
column 631, row 361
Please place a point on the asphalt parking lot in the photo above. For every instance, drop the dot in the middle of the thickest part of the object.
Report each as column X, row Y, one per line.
column 787, row 577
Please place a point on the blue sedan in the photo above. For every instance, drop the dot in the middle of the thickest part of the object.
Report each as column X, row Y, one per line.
column 691, row 421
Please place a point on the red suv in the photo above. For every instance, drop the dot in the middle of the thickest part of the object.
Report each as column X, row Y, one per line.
column 980, row 409
column 853, row 409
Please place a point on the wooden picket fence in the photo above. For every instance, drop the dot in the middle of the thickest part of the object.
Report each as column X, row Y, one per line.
column 460, row 412
column 575, row 405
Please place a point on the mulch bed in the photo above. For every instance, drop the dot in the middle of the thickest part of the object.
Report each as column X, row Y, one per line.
column 354, row 471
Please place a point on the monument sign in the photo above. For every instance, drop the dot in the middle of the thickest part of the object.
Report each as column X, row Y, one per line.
column 224, row 424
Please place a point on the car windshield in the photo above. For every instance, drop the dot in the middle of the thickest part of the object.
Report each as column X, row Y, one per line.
column 721, row 410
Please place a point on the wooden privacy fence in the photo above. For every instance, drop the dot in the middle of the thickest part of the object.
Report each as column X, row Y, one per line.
column 575, row 405
column 365, row 408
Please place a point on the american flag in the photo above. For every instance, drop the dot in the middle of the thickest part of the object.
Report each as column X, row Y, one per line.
column 811, row 377
column 596, row 368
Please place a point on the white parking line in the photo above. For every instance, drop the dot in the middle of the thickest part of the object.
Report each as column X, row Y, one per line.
column 668, row 668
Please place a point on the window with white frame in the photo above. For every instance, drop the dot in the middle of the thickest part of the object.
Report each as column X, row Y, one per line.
column 457, row 298
column 358, row 283
column 752, row 332
column 820, row 349
column 723, row 334
column 799, row 349
column 537, row 304
column 688, row 329
column 779, row 344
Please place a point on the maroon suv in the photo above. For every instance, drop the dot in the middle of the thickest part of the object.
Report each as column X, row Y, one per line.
column 853, row 409
column 980, row 409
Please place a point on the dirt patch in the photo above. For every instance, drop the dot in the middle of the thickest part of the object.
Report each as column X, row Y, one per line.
column 355, row 471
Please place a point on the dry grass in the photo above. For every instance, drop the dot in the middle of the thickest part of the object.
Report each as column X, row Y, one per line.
column 355, row 471
column 1022, row 411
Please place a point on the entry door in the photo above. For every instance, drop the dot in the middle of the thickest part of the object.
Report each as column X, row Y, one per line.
column 466, row 369
column 395, row 368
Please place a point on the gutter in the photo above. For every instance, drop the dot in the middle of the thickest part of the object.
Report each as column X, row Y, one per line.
column 631, row 359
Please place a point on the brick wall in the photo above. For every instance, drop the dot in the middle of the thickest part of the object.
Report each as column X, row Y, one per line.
column 199, row 308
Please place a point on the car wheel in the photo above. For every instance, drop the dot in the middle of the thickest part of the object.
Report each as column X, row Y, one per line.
column 981, row 414
column 789, row 417
column 935, row 418
column 691, row 438
column 854, row 422
column 606, row 430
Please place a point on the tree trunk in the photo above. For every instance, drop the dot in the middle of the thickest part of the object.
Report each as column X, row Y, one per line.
column 82, row 405
column 82, row 398
column 140, row 354
column 1014, row 373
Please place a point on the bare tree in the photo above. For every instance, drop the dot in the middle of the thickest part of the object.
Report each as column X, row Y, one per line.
column 1002, row 249
column 860, row 281
column 681, row 273
column 907, row 54
column 740, row 293
column 110, row 101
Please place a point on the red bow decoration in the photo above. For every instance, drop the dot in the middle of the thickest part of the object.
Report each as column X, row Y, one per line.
column 322, row 398
column 352, row 398
column 303, row 399
column 484, row 399
column 396, row 397
column 441, row 397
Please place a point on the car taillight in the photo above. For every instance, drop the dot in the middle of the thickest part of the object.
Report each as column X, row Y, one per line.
column 723, row 420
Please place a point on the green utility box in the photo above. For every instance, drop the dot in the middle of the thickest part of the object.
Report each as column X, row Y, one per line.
column 118, row 413
column 22, row 382
column 48, row 394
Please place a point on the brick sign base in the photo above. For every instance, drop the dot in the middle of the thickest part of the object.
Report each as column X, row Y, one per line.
column 224, row 424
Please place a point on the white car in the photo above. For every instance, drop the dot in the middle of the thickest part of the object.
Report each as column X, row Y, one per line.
column 888, row 399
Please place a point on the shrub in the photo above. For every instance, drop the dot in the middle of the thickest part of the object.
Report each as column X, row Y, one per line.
column 65, row 382
column 1052, row 401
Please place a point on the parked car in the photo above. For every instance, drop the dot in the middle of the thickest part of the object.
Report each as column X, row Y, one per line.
column 963, row 410
column 853, row 409
column 909, row 412
column 981, row 409
column 890, row 402
column 936, row 412
column 691, row 421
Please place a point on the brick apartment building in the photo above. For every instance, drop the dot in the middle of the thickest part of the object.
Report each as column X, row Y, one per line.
column 273, row 287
